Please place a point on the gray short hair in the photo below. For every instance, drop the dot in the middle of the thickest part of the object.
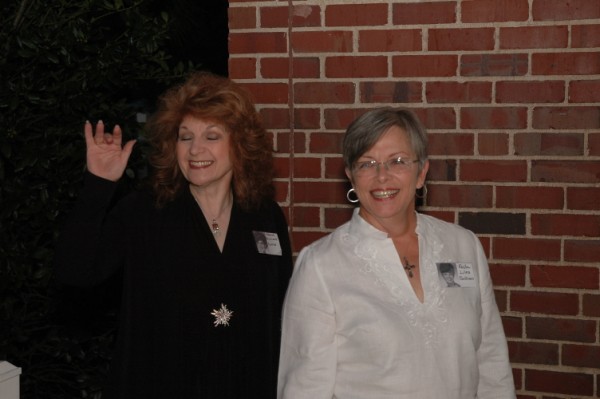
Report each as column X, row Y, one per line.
column 364, row 131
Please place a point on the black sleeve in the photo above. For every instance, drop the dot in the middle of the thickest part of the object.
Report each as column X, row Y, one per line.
column 89, row 249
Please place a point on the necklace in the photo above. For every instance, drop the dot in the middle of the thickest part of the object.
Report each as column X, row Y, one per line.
column 408, row 267
column 214, row 225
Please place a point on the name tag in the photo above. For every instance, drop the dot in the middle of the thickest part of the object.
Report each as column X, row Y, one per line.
column 456, row 274
column 267, row 243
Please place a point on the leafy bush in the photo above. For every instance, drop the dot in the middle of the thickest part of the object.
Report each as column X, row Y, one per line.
column 63, row 62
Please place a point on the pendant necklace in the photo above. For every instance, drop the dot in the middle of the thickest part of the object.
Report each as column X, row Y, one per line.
column 214, row 225
column 408, row 267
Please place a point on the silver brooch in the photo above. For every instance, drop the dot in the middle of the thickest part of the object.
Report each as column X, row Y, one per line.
column 222, row 315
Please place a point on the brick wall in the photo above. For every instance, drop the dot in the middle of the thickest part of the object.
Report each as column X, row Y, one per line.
column 509, row 91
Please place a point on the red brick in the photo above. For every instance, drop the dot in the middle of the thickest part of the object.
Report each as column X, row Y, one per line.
column 493, row 171
column 424, row 13
column 275, row 118
column 278, row 17
column 242, row 68
column 442, row 215
column 284, row 144
column 560, row 10
column 324, row 93
column 549, row 144
column 508, row 275
column 584, row 91
column 565, row 171
column 461, row 196
column 339, row 119
column 562, row 329
column 497, row 223
column 442, row 170
column 325, row 143
column 268, row 93
column 591, row 305
column 552, row 303
column 494, row 65
column 279, row 68
column 492, row 143
column 523, row 197
column 322, row 42
column 566, row 117
column 356, row 14
column 334, row 168
column 242, row 17
column 501, row 297
column 307, row 167
column 307, row 216
column 583, row 198
column 565, row 224
column 526, row 37
column 530, row 92
column 455, row 92
column 581, row 356
column 282, row 167
column 320, row 192
column 582, row 251
column 564, row 277
column 563, row 382
column 356, row 67
column 533, row 352
column 594, row 143
column 565, row 63
column 583, row 36
column 470, row 39
column 451, row 144
column 437, row 118
column 389, row 40
column 494, row 10
column 307, row 118
column 424, row 65
column 391, row 92
column 257, row 42
column 493, row 118
column 281, row 191
column 526, row 248
column 335, row 217
column 513, row 326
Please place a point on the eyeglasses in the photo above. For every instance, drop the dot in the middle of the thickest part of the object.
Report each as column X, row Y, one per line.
column 394, row 165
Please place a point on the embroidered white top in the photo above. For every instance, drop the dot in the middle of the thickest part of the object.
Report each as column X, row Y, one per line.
column 354, row 328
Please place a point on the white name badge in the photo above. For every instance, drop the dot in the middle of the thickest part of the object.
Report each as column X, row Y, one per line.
column 267, row 243
column 456, row 274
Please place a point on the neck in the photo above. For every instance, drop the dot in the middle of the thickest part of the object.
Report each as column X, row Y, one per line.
column 213, row 203
column 396, row 227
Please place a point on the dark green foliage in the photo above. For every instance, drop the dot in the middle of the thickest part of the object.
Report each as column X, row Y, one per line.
column 62, row 62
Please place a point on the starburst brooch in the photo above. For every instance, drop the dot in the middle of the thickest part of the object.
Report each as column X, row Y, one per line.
column 222, row 315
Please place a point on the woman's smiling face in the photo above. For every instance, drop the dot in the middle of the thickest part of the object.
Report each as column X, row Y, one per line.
column 203, row 152
column 388, row 195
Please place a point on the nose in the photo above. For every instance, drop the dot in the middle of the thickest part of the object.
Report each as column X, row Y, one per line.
column 382, row 169
column 196, row 146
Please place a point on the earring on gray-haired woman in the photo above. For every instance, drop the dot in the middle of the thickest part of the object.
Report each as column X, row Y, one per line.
column 423, row 192
column 354, row 201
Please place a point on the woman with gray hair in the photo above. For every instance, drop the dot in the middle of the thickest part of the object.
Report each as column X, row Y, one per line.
column 367, row 313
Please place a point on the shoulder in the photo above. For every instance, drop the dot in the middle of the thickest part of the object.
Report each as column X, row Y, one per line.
column 329, row 245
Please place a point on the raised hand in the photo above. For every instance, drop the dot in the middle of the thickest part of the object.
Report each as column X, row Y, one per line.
column 106, row 156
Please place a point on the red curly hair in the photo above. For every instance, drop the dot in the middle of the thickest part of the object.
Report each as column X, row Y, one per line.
column 219, row 100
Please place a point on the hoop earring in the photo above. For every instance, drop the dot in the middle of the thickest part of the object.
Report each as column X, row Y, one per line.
column 423, row 193
column 354, row 201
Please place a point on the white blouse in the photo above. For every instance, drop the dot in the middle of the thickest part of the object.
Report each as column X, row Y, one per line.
column 354, row 328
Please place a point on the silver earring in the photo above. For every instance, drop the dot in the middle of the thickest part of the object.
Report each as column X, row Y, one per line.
column 423, row 193
column 354, row 201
